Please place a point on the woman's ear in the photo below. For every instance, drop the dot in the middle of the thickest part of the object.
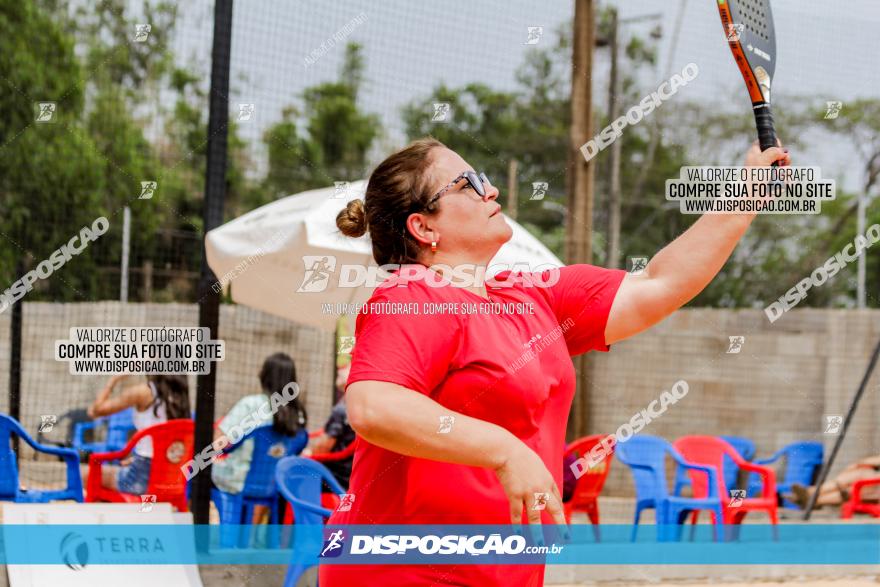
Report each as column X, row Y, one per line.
column 419, row 226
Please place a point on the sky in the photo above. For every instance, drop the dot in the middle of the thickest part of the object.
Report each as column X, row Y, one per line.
column 409, row 47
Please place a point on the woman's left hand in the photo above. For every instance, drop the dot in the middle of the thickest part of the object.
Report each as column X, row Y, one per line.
column 755, row 157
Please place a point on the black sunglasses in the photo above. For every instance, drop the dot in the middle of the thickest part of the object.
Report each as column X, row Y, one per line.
column 474, row 179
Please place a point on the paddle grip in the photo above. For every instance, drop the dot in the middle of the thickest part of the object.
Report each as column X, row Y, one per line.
column 766, row 129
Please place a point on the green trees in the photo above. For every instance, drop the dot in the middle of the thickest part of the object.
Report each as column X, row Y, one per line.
column 488, row 128
column 104, row 141
column 326, row 142
column 126, row 112
column 50, row 172
column 530, row 124
column 114, row 127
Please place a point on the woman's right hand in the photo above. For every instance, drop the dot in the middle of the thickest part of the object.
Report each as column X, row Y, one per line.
column 526, row 480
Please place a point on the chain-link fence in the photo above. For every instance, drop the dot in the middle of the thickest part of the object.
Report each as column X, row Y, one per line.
column 103, row 160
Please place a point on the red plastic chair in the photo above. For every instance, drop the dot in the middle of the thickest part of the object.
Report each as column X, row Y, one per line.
column 172, row 447
column 855, row 503
column 326, row 457
column 589, row 485
column 710, row 450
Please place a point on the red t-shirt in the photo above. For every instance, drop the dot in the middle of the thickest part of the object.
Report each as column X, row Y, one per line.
column 489, row 366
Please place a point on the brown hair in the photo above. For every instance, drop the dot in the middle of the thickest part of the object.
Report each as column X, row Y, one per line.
column 173, row 391
column 398, row 187
column 277, row 373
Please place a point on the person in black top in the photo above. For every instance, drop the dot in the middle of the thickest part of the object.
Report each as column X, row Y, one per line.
column 337, row 435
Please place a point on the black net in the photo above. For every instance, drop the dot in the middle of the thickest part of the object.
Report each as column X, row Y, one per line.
column 120, row 154
column 103, row 156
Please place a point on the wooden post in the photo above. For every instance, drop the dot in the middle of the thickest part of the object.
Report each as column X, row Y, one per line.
column 512, row 189
column 148, row 281
column 579, row 221
column 612, row 251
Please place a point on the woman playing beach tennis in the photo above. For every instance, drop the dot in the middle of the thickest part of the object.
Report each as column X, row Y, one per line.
column 462, row 415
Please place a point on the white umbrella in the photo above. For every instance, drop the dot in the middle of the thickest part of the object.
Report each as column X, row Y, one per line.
column 286, row 258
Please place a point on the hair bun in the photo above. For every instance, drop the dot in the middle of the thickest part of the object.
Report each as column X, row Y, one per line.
column 352, row 221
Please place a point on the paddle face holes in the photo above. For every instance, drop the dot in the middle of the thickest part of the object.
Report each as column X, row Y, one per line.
column 752, row 14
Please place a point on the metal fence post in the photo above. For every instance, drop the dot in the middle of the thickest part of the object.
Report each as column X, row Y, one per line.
column 212, row 214
column 15, row 360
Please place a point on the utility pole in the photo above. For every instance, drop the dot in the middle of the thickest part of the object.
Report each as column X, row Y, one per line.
column 656, row 120
column 579, row 220
column 612, row 252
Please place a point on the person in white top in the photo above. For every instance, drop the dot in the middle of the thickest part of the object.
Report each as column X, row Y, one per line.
column 161, row 398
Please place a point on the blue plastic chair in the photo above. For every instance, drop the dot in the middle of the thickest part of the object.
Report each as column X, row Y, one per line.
column 299, row 481
column 9, row 488
column 745, row 448
column 802, row 461
column 646, row 456
column 120, row 427
column 236, row 509
column 61, row 433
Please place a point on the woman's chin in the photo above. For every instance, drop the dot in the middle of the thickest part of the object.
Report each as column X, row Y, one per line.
column 506, row 233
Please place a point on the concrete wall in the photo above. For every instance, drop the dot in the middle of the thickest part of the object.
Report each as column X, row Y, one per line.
column 48, row 388
column 787, row 376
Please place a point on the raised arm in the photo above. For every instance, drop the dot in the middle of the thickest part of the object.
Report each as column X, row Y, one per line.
column 105, row 403
column 872, row 461
column 407, row 422
column 684, row 267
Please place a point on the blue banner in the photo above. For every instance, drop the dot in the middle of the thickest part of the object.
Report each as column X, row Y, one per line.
column 795, row 544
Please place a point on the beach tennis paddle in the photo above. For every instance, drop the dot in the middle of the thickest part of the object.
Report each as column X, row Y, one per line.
column 748, row 25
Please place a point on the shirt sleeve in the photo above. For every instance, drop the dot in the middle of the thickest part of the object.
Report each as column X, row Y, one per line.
column 409, row 348
column 581, row 299
column 237, row 414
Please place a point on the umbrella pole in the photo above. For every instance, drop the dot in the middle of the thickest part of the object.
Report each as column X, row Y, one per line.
column 335, row 393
